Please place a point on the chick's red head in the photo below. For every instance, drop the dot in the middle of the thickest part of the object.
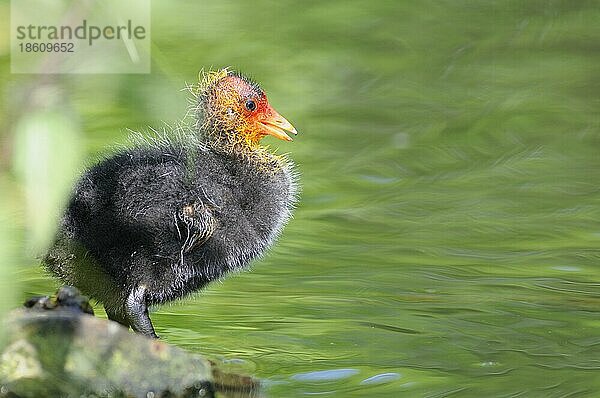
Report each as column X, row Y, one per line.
column 237, row 109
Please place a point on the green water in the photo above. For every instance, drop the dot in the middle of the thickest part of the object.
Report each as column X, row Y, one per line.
column 447, row 240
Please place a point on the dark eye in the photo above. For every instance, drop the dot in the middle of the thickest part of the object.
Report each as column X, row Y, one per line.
column 250, row 105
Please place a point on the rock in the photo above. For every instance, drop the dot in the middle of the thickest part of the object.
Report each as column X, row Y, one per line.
column 67, row 297
column 55, row 348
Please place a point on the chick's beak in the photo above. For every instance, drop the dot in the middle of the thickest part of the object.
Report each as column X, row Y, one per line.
column 277, row 126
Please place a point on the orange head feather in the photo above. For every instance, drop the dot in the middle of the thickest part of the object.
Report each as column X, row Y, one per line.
column 236, row 112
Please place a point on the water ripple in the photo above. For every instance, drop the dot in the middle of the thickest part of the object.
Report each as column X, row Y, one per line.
column 381, row 378
column 325, row 375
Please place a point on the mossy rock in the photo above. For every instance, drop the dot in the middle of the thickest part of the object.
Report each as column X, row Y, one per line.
column 55, row 350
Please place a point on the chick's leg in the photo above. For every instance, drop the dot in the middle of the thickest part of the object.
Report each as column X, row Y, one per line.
column 137, row 312
column 117, row 316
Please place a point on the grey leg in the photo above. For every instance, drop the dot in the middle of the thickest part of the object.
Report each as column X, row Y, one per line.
column 137, row 312
column 117, row 316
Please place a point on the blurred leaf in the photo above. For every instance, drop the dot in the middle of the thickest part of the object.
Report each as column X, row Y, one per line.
column 46, row 156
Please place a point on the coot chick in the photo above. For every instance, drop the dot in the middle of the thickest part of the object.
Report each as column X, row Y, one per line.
column 158, row 221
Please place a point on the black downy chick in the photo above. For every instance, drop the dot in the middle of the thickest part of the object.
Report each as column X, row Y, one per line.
column 159, row 221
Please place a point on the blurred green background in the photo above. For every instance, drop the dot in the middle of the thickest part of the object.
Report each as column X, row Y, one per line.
column 447, row 240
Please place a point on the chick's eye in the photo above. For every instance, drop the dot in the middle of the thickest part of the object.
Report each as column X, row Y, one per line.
column 250, row 105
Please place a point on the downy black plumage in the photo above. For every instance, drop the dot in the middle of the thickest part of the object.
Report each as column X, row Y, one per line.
column 158, row 221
